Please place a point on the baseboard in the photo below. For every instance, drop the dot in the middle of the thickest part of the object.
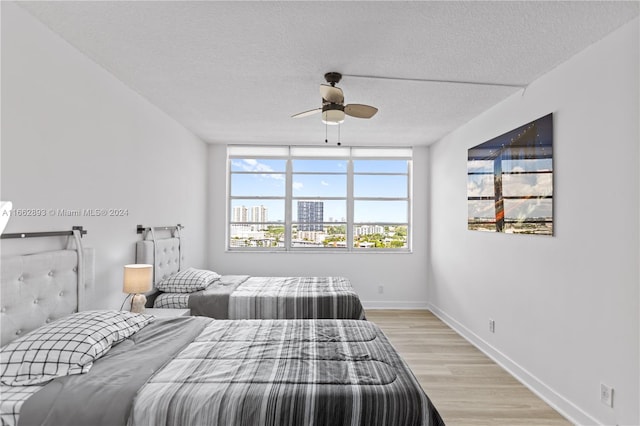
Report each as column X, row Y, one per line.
column 565, row 407
column 395, row 305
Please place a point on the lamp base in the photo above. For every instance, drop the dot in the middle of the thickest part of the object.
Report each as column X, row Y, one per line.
column 137, row 303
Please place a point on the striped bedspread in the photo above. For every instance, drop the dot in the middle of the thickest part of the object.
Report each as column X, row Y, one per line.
column 295, row 297
column 285, row 373
column 245, row 297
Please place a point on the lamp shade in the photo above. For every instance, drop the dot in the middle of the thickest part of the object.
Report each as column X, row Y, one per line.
column 333, row 116
column 137, row 278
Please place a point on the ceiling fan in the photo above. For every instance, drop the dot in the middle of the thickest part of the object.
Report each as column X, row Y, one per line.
column 333, row 108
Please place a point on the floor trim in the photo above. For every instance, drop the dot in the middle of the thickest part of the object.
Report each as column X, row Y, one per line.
column 562, row 405
column 403, row 305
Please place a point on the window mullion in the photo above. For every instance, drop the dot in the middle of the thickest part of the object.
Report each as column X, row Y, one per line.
column 410, row 204
column 350, row 204
column 228, row 213
column 288, row 209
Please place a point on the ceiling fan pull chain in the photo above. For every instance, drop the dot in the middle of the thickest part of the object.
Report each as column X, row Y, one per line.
column 339, row 134
column 326, row 138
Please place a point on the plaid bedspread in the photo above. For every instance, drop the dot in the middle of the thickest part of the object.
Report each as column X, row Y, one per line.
column 295, row 297
column 285, row 373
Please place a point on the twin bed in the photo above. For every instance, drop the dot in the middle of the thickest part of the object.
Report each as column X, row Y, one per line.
column 121, row 368
column 243, row 296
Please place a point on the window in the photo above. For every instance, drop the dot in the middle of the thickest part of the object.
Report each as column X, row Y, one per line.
column 329, row 198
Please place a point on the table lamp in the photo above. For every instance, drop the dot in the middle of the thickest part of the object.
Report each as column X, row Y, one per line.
column 137, row 279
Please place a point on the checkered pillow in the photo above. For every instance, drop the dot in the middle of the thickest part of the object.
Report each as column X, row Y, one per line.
column 188, row 281
column 172, row 301
column 67, row 346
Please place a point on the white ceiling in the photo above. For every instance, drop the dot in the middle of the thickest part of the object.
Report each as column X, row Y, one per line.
column 234, row 72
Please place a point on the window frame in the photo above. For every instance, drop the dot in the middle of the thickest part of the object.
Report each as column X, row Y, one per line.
column 292, row 153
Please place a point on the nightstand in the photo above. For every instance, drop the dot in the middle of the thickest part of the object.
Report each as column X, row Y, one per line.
column 166, row 312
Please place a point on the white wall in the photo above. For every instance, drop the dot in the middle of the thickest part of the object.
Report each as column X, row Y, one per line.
column 75, row 137
column 402, row 275
column 566, row 307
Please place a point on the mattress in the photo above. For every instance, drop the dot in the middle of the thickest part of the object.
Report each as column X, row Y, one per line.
column 246, row 297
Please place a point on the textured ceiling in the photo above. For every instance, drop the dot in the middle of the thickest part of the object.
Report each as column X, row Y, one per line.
column 234, row 72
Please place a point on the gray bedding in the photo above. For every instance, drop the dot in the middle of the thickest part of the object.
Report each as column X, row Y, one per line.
column 258, row 373
column 104, row 396
column 245, row 297
column 214, row 301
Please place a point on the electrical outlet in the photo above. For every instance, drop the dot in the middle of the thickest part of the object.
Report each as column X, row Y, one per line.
column 606, row 395
column 492, row 326
column 380, row 289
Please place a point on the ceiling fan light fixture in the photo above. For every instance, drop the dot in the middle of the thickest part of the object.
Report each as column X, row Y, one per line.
column 333, row 108
column 333, row 116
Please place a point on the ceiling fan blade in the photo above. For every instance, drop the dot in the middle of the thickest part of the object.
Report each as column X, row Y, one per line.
column 331, row 94
column 307, row 113
column 360, row 111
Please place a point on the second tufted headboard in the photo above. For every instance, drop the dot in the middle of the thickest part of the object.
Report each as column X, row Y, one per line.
column 39, row 288
column 165, row 256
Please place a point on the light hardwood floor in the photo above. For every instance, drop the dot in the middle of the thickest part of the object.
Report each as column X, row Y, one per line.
column 465, row 385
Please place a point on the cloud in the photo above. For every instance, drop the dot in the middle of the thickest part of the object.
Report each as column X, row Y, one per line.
column 480, row 165
column 480, row 186
column 252, row 165
column 527, row 185
column 324, row 183
column 298, row 185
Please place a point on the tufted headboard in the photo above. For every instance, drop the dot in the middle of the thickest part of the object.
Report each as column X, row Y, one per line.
column 39, row 288
column 165, row 256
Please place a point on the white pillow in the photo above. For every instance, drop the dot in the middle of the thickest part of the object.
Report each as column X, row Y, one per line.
column 67, row 346
column 188, row 281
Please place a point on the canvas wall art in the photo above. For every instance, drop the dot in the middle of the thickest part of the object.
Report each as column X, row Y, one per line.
column 510, row 181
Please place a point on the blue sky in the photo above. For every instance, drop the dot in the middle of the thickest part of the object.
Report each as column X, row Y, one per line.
column 331, row 181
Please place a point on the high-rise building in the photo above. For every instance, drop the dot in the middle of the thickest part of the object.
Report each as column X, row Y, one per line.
column 259, row 214
column 239, row 214
column 310, row 215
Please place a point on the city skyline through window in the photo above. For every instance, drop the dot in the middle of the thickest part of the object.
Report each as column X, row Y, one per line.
column 292, row 202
